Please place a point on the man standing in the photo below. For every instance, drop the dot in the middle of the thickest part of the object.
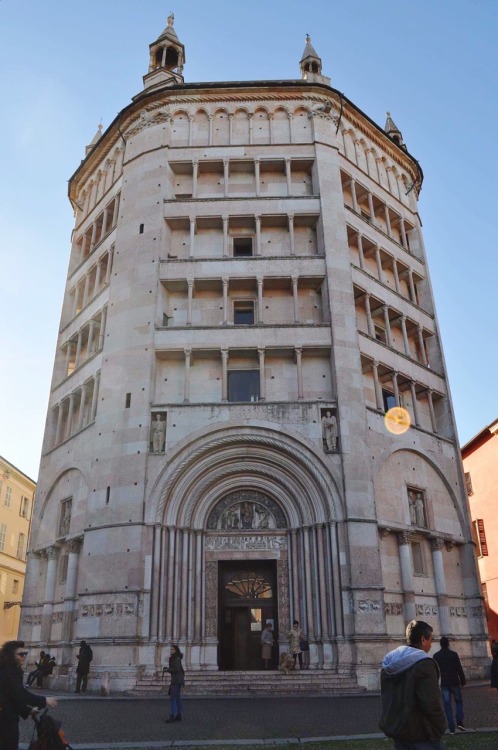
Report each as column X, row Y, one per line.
column 452, row 682
column 412, row 711
column 84, row 657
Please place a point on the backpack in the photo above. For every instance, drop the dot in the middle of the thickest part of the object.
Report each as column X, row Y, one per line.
column 49, row 735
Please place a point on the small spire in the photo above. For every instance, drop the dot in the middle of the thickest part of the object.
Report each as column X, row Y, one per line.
column 96, row 138
column 393, row 131
column 311, row 64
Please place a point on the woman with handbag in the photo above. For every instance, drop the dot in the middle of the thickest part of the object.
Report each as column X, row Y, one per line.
column 177, row 673
column 15, row 700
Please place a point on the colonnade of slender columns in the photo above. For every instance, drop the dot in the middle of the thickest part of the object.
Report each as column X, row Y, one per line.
column 102, row 225
column 92, row 283
column 259, row 283
column 384, row 210
column 226, row 177
column 224, row 353
column 410, row 385
column 389, row 318
column 76, row 410
column 84, row 343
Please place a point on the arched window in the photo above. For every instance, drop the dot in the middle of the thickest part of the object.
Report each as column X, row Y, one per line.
column 248, row 584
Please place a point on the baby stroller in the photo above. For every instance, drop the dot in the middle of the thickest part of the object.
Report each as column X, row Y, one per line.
column 49, row 735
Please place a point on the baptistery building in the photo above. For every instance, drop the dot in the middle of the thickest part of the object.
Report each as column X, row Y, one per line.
column 247, row 297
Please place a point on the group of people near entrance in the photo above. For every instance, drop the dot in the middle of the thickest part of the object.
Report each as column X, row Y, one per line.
column 417, row 690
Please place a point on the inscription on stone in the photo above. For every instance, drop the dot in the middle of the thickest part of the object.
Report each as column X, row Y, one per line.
column 216, row 543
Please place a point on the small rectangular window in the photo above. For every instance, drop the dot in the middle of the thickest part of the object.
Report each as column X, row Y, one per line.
column 3, row 534
column 128, row 401
column 243, row 385
column 243, row 313
column 8, row 497
column 389, row 400
column 242, row 247
column 24, row 507
column 141, row 229
column 15, row 586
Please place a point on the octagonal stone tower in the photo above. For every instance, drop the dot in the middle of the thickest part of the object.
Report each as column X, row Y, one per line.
column 247, row 295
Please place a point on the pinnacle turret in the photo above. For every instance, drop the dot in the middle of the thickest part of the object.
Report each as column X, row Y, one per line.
column 167, row 57
column 311, row 65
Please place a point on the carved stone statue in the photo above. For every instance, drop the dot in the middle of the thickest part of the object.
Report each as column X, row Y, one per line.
column 329, row 431
column 413, row 515
column 157, row 434
column 65, row 521
column 419, row 509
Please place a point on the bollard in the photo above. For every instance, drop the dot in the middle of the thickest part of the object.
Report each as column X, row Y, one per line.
column 105, row 685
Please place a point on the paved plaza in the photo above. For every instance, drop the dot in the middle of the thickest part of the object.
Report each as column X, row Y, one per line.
column 90, row 720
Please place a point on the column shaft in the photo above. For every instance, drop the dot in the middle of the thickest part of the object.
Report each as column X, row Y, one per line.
column 299, row 363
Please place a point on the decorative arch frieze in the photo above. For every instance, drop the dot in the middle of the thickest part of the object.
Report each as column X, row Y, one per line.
column 241, row 457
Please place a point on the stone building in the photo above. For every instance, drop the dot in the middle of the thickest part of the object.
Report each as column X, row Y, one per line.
column 247, row 295
column 16, row 504
column 480, row 461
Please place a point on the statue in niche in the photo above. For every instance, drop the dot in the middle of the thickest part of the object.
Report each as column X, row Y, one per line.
column 419, row 509
column 413, row 515
column 158, row 434
column 65, row 521
column 329, row 431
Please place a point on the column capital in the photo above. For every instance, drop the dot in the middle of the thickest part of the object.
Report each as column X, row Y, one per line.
column 51, row 553
column 72, row 546
column 404, row 537
column 224, row 353
column 437, row 543
column 187, row 351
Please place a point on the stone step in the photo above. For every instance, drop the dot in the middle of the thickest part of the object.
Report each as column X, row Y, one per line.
column 254, row 683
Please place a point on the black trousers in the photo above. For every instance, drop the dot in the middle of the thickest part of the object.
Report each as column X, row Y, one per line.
column 9, row 734
column 81, row 680
column 300, row 657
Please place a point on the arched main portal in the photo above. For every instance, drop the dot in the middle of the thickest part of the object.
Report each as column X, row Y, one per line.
column 253, row 503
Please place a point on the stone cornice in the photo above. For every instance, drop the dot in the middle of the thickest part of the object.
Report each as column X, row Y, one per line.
column 239, row 91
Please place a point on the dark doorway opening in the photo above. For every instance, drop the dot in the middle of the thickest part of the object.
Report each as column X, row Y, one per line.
column 247, row 602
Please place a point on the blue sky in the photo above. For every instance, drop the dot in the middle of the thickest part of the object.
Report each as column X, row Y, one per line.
column 65, row 65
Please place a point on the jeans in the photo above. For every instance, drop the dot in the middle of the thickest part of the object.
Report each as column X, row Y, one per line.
column 175, row 700
column 457, row 694
column 421, row 745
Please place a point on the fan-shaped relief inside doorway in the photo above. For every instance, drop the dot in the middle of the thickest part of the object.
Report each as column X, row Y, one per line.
column 245, row 511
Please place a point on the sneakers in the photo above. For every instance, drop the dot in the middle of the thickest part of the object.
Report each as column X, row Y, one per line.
column 452, row 731
column 461, row 727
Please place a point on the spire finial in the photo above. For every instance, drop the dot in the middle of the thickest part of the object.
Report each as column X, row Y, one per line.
column 171, row 19
column 308, row 38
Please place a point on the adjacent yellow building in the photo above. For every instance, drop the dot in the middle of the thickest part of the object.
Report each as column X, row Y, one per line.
column 16, row 501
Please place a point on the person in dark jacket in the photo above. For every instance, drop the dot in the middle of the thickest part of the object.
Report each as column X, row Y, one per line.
column 36, row 671
column 84, row 657
column 15, row 700
column 45, row 669
column 175, row 669
column 452, row 682
column 412, row 710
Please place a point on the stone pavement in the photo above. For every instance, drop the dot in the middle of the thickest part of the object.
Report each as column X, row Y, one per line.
column 139, row 722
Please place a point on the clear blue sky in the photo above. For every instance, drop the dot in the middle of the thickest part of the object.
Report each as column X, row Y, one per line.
column 64, row 65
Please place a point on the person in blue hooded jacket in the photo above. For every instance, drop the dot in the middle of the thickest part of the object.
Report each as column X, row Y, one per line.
column 412, row 709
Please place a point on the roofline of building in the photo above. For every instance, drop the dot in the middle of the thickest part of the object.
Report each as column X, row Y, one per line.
column 2, row 458
column 490, row 430
column 291, row 83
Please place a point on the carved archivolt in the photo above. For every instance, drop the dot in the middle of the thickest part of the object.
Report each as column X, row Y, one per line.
column 213, row 466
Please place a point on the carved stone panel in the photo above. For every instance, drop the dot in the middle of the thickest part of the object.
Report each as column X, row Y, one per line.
column 246, row 509
column 211, row 567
